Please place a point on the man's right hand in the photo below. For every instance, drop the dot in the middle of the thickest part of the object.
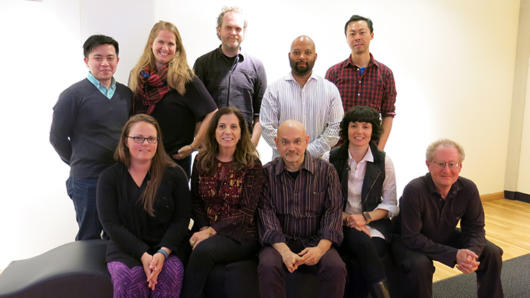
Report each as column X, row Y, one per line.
column 291, row 260
column 466, row 261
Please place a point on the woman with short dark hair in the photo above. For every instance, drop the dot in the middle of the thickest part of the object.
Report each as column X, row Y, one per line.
column 369, row 191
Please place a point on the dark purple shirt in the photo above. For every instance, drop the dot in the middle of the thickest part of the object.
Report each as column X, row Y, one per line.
column 305, row 207
column 374, row 87
column 428, row 222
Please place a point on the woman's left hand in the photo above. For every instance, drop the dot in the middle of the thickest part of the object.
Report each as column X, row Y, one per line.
column 156, row 265
column 203, row 234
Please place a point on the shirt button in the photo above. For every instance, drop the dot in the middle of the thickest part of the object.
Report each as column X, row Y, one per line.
column 360, row 82
column 358, row 94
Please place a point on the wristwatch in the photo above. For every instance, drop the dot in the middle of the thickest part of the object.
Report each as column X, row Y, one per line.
column 367, row 217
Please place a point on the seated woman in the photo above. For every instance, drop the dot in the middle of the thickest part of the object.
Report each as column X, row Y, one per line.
column 166, row 88
column 226, row 185
column 369, row 190
column 144, row 206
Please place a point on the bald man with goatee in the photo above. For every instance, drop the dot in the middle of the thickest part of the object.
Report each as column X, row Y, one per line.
column 305, row 97
column 299, row 232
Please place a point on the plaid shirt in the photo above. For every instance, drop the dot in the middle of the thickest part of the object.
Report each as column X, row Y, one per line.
column 374, row 88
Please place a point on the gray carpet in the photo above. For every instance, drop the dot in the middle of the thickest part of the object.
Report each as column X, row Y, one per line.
column 515, row 281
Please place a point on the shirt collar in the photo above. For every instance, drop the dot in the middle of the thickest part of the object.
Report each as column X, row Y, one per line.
column 368, row 156
column 455, row 188
column 373, row 62
column 307, row 165
column 240, row 54
column 102, row 88
column 290, row 77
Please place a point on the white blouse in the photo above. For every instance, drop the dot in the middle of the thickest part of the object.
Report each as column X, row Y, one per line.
column 355, row 186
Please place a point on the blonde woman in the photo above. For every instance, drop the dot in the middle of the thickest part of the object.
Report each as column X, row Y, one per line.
column 166, row 88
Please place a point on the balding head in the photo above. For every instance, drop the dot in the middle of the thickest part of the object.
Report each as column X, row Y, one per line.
column 291, row 142
column 302, row 56
column 303, row 40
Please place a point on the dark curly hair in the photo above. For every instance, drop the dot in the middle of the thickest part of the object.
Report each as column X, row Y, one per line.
column 361, row 114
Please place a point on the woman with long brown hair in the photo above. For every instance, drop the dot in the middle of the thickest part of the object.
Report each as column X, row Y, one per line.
column 166, row 88
column 144, row 206
column 226, row 183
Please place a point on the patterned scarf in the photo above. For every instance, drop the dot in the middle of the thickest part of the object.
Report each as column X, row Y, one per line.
column 152, row 86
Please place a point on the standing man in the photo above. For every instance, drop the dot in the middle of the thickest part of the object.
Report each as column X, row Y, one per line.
column 361, row 79
column 431, row 207
column 86, row 127
column 234, row 78
column 304, row 97
column 300, row 217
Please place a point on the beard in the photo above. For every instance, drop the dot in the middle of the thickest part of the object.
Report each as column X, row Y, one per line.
column 301, row 68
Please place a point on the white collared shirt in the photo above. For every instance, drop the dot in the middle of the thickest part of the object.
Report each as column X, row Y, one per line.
column 355, row 186
column 317, row 105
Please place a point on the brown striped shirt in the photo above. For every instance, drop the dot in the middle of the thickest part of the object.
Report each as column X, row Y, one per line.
column 302, row 209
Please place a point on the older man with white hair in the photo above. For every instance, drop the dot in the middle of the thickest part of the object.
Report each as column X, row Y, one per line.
column 431, row 207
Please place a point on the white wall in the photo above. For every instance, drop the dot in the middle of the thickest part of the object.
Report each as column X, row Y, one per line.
column 518, row 157
column 524, row 163
column 453, row 62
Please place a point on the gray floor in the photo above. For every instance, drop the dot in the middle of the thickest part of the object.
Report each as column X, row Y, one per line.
column 515, row 281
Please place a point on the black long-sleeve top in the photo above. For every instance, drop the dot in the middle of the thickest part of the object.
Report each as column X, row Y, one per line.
column 428, row 221
column 131, row 229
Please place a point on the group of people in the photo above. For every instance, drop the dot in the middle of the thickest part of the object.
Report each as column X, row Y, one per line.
column 314, row 207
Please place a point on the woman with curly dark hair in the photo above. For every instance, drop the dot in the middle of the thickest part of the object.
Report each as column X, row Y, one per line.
column 369, row 192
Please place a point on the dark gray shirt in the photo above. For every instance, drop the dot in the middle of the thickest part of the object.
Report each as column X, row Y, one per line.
column 239, row 81
column 86, row 127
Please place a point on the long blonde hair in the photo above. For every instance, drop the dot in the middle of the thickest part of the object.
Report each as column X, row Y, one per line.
column 179, row 72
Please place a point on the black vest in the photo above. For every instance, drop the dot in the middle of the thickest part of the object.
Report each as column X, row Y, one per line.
column 372, row 182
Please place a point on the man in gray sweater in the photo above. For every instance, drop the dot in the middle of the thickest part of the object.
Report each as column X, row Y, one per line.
column 86, row 127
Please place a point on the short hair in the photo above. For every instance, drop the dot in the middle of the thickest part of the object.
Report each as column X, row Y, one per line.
column 245, row 154
column 361, row 114
column 97, row 40
column 356, row 18
column 230, row 9
column 429, row 154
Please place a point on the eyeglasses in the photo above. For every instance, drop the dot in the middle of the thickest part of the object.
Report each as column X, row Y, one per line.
column 141, row 140
column 453, row 165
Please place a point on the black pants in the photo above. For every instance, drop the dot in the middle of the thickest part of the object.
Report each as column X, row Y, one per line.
column 419, row 269
column 363, row 257
column 330, row 269
column 217, row 249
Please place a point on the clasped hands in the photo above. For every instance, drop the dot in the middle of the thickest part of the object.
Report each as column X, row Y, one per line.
column 466, row 261
column 153, row 265
column 356, row 221
column 308, row 256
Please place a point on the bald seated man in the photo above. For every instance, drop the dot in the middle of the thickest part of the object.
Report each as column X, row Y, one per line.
column 303, row 96
column 300, row 217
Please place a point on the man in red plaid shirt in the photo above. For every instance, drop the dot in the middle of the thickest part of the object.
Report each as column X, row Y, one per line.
column 361, row 79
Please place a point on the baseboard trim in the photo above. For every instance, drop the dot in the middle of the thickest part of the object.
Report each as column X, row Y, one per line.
column 518, row 196
column 492, row 196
